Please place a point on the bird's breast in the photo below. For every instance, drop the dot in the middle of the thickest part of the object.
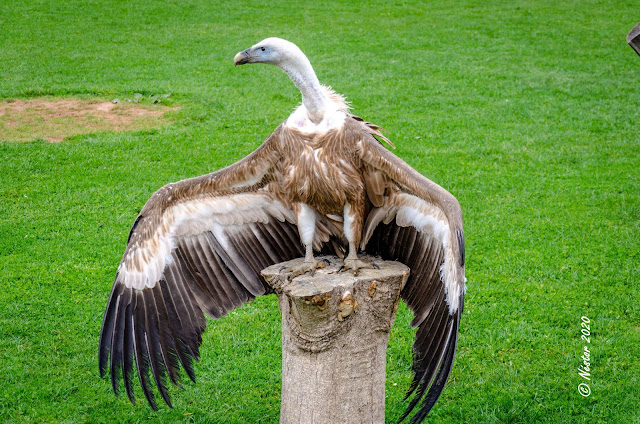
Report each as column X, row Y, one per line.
column 321, row 178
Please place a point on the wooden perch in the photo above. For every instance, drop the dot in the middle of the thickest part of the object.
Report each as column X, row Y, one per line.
column 634, row 38
column 335, row 330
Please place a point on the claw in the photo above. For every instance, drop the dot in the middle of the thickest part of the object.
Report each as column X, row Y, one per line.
column 356, row 265
column 303, row 268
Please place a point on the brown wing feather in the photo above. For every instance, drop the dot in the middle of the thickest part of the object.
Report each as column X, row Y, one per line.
column 211, row 236
column 375, row 186
column 419, row 224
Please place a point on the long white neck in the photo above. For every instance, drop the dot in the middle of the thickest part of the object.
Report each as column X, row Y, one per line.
column 301, row 73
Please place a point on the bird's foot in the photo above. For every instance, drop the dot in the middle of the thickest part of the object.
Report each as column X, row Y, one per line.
column 356, row 265
column 303, row 268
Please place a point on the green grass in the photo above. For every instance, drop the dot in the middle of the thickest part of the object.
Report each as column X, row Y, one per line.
column 527, row 112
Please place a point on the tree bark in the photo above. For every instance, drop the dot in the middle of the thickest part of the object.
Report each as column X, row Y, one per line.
column 634, row 38
column 335, row 330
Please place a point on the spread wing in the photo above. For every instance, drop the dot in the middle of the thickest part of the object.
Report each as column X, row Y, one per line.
column 198, row 246
column 417, row 222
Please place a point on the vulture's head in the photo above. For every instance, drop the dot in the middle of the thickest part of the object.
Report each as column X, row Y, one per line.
column 288, row 57
column 274, row 51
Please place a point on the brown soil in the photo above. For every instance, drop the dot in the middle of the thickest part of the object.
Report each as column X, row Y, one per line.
column 55, row 119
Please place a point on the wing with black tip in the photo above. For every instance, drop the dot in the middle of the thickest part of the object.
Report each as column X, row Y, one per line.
column 417, row 222
column 197, row 247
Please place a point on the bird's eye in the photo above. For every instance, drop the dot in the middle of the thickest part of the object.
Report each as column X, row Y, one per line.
column 262, row 48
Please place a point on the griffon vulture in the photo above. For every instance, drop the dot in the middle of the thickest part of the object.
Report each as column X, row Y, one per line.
column 321, row 182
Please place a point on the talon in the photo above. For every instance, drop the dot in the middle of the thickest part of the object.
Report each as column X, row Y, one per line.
column 282, row 269
column 340, row 269
column 303, row 268
column 375, row 265
column 356, row 265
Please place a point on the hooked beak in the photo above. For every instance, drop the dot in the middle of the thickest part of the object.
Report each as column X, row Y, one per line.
column 242, row 58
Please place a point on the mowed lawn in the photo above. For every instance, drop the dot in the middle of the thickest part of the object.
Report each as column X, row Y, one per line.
column 528, row 112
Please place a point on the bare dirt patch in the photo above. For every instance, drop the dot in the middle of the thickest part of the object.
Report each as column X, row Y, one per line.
column 55, row 119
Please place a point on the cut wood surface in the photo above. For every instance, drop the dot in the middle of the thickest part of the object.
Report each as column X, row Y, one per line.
column 335, row 330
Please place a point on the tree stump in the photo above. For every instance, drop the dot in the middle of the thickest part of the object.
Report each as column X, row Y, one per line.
column 634, row 38
column 335, row 330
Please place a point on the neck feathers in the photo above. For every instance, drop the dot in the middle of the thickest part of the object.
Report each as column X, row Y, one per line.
column 299, row 69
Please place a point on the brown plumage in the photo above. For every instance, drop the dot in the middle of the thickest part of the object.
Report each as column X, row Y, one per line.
column 321, row 181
